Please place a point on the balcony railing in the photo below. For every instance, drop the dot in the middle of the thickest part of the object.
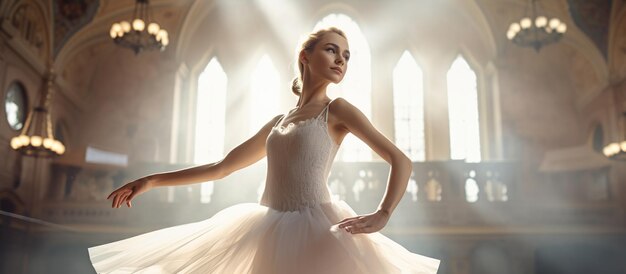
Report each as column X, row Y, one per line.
column 447, row 193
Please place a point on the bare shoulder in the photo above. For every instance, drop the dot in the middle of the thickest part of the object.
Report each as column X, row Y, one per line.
column 341, row 104
column 344, row 118
column 345, row 113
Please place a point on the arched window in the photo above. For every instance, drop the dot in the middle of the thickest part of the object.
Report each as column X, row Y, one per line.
column 264, row 94
column 356, row 87
column 463, row 112
column 408, row 107
column 210, row 120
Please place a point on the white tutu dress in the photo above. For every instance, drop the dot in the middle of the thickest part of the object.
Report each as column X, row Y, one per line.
column 291, row 231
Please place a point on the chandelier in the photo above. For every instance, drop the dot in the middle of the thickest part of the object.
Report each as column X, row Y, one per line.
column 135, row 35
column 617, row 150
column 36, row 138
column 535, row 29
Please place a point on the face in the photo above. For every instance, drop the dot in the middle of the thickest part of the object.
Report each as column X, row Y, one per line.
column 329, row 59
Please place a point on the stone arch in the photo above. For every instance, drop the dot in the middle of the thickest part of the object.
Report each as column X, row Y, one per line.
column 197, row 13
column 484, row 28
column 29, row 20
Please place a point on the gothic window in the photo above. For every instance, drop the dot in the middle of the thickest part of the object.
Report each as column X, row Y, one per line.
column 463, row 112
column 210, row 120
column 408, row 107
column 264, row 99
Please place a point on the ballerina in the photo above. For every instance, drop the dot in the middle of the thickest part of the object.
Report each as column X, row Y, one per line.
column 296, row 227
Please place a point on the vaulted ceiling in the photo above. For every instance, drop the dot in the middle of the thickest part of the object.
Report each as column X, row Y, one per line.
column 82, row 48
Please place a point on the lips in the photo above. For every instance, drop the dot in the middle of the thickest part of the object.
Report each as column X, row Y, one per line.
column 337, row 69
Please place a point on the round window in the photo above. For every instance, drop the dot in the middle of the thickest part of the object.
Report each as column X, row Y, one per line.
column 15, row 105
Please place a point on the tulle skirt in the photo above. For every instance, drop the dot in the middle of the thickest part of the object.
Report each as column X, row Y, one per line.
column 252, row 238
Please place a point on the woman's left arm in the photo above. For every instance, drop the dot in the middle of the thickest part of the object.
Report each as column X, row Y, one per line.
column 354, row 121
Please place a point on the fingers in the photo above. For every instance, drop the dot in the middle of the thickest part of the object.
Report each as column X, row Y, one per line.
column 122, row 189
column 359, row 228
column 355, row 225
column 362, row 224
column 123, row 195
column 355, row 230
column 120, row 198
column 132, row 195
column 127, row 199
column 350, row 223
column 349, row 219
column 116, row 198
column 115, row 192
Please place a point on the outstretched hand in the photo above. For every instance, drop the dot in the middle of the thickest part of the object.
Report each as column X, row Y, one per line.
column 369, row 223
column 127, row 192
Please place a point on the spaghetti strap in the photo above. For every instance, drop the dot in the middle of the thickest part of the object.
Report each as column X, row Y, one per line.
column 325, row 111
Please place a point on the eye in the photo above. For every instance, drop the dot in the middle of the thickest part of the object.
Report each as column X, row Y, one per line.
column 347, row 57
column 332, row 50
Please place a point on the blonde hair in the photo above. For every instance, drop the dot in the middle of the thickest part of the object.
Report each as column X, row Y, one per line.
column 308, row 45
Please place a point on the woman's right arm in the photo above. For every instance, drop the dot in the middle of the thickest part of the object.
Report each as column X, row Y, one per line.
column 248, row 153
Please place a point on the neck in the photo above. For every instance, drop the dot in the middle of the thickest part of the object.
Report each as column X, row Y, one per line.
column 313, row 91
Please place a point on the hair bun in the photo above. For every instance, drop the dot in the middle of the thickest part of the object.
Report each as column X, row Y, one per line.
column 296, row 86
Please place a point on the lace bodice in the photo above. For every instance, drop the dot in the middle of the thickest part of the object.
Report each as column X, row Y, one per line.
column 299, row 159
